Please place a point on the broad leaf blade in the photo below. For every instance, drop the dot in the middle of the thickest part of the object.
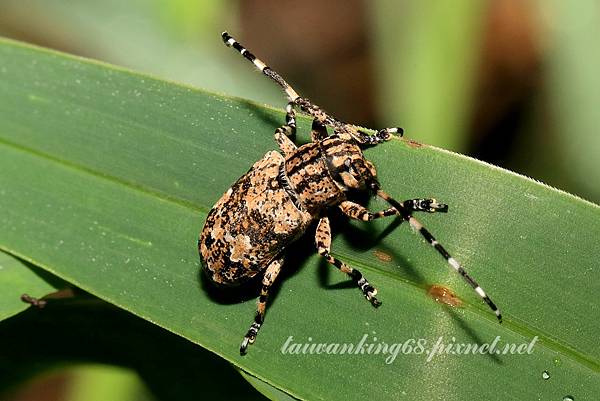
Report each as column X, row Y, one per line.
column 122, row 169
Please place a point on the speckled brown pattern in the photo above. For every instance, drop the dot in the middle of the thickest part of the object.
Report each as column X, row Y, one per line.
column 250, row 225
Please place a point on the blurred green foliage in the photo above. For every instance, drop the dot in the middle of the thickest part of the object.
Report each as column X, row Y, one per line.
column 573, row 87
column 427, row 58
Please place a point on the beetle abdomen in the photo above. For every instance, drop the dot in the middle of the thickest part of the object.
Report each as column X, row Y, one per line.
column 251, row 223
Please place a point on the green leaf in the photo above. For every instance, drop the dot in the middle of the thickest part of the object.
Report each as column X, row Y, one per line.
column 18, row 277
column 107, row 176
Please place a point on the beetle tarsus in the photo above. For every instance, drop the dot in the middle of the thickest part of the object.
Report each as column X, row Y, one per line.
column 375, row 302
column 425, row 205
column 250, row 337
column 370, row 293
column 244, row 346
column 387, row 133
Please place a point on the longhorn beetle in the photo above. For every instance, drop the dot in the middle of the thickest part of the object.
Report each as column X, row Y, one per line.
column 247, row 231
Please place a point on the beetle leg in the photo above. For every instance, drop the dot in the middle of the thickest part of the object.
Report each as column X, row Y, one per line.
column 290, row 119
column 407, row 216
column 268, row 279
column 381, row 136
column 359, row 212
column 323, row 242
column 318, row 132
column 425, row 205
column 285, row 134
column 285, row 143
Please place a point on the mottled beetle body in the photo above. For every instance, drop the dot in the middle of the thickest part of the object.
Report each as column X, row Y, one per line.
column 252, row 223
column 272, row 205
column 247, row 231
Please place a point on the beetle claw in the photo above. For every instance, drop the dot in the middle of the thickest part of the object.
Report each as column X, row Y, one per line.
column 370, row 295
column 244, row 345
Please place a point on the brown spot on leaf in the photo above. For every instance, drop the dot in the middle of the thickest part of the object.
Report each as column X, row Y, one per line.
column 444, row 295
column 414, row 144
column 384, row 257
